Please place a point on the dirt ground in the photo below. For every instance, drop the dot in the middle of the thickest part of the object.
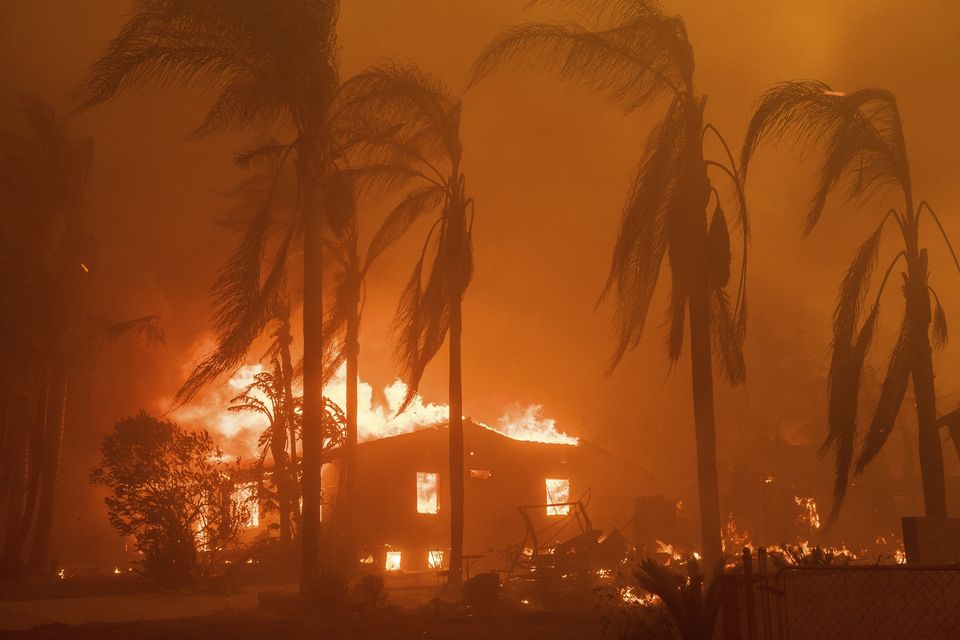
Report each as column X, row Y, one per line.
column 388, row 624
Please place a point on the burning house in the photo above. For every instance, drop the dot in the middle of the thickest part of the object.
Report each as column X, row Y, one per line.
column 403, row 496
column 519, row 493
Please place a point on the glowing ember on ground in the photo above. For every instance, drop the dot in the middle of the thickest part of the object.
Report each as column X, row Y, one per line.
column 632, row 595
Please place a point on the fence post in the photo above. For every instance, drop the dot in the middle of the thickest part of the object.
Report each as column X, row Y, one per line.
column 748, row 589
column 764, row 593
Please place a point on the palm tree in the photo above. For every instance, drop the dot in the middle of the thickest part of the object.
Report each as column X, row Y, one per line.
column 865, row 154
column 268, row 63
column 266, row 396
column 692, row 602
column 641, row 57
column 49, row 333
column 417, row 146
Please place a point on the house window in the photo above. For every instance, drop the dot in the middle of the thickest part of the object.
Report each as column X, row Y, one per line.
column 427, row 492
column 245, row 499
column 393, row 561
column 558, row 492
column 435, row 559
column 481, row 474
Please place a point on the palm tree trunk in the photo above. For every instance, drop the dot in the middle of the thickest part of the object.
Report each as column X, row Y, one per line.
column 286, row 370
column 34, row 445
column 931, row 451
column 313, row 405
column 278, row 449
column 18, row 420
column 456, row 446
column 347, row 500
column 39, row 563
column 704, row 426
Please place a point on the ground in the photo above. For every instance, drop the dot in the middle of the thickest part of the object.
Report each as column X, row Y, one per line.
column 119, row 609
column 384, row 625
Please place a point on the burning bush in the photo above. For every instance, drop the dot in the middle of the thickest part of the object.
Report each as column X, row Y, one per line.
column 170, row 491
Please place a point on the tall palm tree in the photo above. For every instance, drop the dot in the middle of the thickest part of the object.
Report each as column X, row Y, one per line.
column 48, row 331
column 641, row 57
column 865, row 155
column 268, row 63
column 417, row 148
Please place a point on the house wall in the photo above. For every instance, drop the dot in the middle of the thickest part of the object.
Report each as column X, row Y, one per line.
column 386, row 493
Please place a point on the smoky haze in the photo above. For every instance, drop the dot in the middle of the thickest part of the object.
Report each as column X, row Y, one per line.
column 549, row 165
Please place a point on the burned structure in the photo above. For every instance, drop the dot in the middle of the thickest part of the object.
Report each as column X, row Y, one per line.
column 402, row 495
column 519, row 494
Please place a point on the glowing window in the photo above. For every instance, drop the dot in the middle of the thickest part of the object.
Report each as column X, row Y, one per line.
column 435, row 559
column 427, row 492
column 393, row 561
column 558, row 492
column 481, row 474
column 245, row 499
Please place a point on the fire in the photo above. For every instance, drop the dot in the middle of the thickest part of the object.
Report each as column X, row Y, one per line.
column 808, row 516
column 733, row 537
column 529, row 425
column 632, row 595
column 668, row 550
column 240, row 431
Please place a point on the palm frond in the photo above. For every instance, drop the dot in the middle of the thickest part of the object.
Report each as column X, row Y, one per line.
column 939, row 324
column 864, row 148
column 846, row 369
column 718, row 245
column 676, row 319
column 417, row 202
column 243, row 304
column 632, row 64
column 728, row 336
column 892, row 391
column 854, row 288
column 642, row 240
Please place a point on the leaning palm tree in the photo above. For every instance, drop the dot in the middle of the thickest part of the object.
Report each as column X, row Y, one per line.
column 268, row 63
column 417, row 147
column 642, row 56
column 865, row 155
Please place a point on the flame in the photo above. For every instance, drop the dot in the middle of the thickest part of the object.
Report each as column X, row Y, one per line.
column 808, row 516
column 529, row 425
column 632, row 595
column 240, row 431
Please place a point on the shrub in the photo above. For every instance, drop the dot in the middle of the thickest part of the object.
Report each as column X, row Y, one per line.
column 169, row 490
column 481, row 590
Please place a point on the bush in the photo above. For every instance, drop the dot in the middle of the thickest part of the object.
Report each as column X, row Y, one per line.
column 481, row 590
column 370, row 591
column 168, row 491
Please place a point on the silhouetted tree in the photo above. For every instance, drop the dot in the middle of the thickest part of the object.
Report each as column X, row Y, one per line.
column 266, row 396
column 171, row 490
column 641, row 57
column 268, row 63
column 45, row 259
column 692, row 603
column 417, row 148
column 865, row 154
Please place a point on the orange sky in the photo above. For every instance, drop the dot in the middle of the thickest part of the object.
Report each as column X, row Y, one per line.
column 548, row 164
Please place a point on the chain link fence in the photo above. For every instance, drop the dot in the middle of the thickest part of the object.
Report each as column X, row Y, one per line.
column 895, row 602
